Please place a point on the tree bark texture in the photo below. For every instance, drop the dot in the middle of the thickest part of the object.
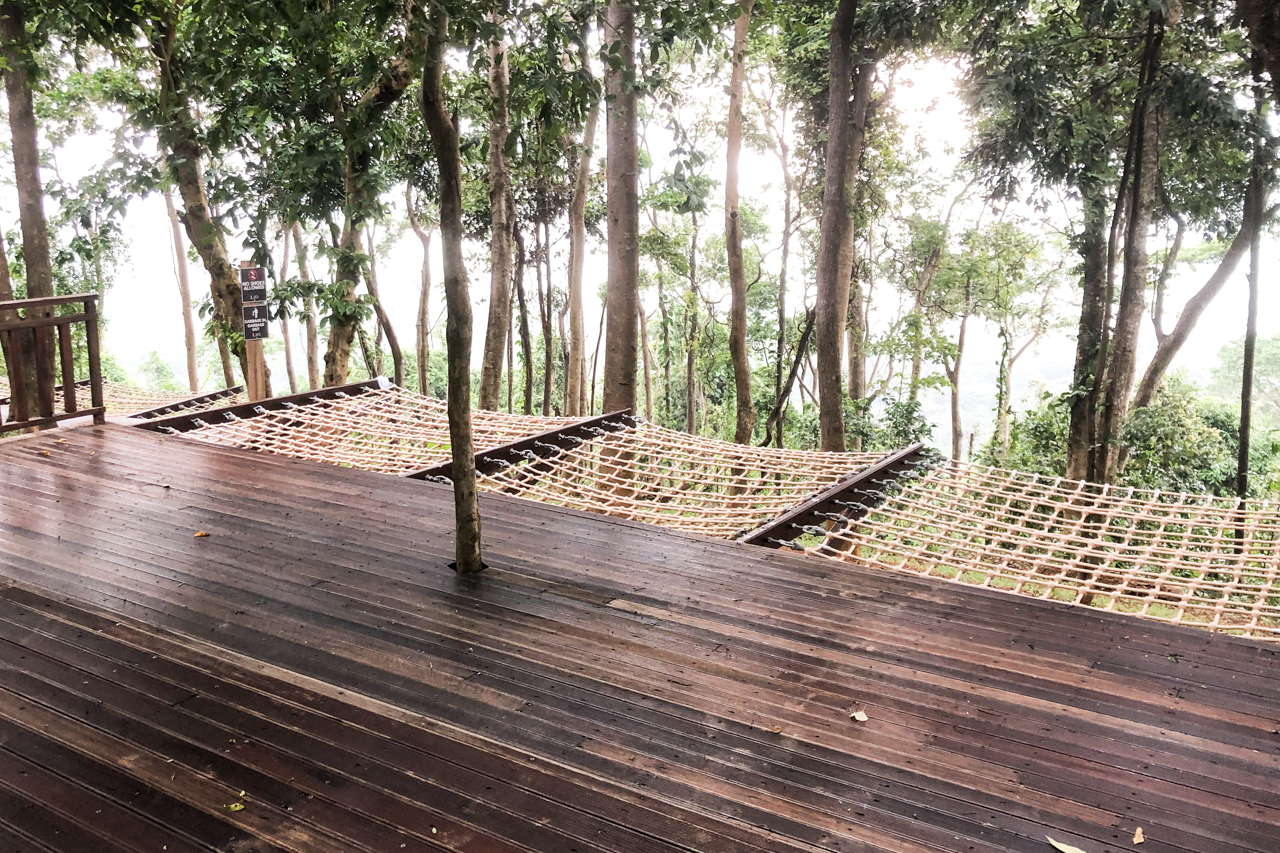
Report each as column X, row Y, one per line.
column 179, row 136
column 184, row 291
column 309, row 309
column 26, row 169
column 576, row 366
column 526, row 340
column 1082, row 426
column 423, row 327
column 1145, row 128
column 1250, row 343
column 384, row 321
column 745, row 414
column 835, row 246
column 623, row 207
column 444, row 138
column 500, row 203
column 284, row 322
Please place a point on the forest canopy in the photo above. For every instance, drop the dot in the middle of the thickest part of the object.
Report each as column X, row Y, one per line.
column 573, row 172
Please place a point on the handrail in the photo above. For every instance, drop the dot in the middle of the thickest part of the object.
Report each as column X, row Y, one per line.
column 24, row 337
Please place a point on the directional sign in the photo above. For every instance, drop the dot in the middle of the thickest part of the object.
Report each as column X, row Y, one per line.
column 255, row 322
column 253, row 284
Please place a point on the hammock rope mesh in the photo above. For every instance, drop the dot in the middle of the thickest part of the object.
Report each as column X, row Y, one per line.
column 123, row 399
column 1195, row 560
column 1192, row 559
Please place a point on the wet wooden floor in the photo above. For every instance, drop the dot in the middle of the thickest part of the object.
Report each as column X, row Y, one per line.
column 311, row 677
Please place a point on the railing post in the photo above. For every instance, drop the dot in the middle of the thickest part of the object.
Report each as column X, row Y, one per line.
column 95, row 364
column 68, row 358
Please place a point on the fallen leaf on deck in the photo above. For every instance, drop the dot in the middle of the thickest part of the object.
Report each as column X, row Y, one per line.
column 1064, row 848
column 62, row 441
column 860, row 716
column 1138, row 837
column 776, row 729
column 234, row 807
column 200, row 533
column 44, row 453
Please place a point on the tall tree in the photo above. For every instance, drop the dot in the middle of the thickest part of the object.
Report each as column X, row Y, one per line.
column 444, row 138
column 500, row 200
column 575, row 386
column 17, row 52
column 835, row 247
column 745, row 415
column 184, row 291
column 621, row 176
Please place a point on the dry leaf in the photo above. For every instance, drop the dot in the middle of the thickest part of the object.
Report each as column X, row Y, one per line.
column 44, row 453
column 860, row 716
column 1064, row 848
column 234, row 807
column 200, row 533
column 62, row 441
column 776, row 729
column 1138, row 837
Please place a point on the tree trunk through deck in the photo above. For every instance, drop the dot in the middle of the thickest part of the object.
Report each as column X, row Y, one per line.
column 15, row 50
column 745, row 414
column 500, row 202
column 184, row 291
column 444, row 139
column 623, row 207
column 835, row 247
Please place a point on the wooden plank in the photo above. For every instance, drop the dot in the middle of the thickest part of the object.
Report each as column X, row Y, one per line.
column 47, row 301
column 68, row 369
column 848, row 500
column 95, row 359
column 200, row 401
column 186, row 422
column 13, row 425
column 543, row 445
column 39, row 323
column 608, row 675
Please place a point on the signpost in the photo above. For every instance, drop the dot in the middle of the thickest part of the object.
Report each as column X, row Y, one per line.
column 253, row 293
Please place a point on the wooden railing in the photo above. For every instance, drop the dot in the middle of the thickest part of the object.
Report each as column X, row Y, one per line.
column 24, row 331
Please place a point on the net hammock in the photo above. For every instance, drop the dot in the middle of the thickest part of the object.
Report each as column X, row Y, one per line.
column 642, row 472
column 123, row 399
column 1190, row 559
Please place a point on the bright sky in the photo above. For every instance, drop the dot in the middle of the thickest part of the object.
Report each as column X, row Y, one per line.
column 143, row 309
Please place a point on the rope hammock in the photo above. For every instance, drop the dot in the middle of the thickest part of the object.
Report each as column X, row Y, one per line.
column 124, row 399
column 1196, row 560
column 642, row 472
column 1191, row 559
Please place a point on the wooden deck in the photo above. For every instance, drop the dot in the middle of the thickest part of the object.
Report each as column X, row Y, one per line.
column 606, row 686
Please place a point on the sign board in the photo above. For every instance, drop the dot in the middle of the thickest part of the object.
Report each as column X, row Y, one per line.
column 255, row 322
column 253, row 284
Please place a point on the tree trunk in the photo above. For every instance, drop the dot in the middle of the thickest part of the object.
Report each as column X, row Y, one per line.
column 1250, row 347
column 576, row 363
column 1262, row 17
column 284, row 322
column 224, row 356
column 691, row 334
column 26, row 168
column 180, row 138
column 1081, row 430
column 648, row 365
column 423, row 328
column 836, row 226
column 526, row 340
column 745, row 414
column 393, row 342
column 1169, row 346
column 857, row 360
column 779, row 406
column 623, row 207
column 500, row 198
column 308, row 308
column 1145, row 129
column 544, row 316
column 184, row 290
column 444, row 139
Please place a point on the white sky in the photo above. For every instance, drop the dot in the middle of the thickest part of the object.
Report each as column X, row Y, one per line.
column 143, row 309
